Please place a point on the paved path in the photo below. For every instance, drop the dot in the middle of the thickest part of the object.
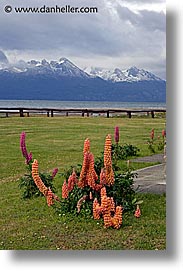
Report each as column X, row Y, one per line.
column 151, row 179
column 153, row 158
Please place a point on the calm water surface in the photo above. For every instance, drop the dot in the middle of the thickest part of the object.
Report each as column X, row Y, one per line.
column 77, row 104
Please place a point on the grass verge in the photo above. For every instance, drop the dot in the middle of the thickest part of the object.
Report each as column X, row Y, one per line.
column 58, row 142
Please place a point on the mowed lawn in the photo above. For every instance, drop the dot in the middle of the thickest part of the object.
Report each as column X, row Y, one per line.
column 58, row 142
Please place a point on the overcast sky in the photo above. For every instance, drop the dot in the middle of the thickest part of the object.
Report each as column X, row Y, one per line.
column 122, row 34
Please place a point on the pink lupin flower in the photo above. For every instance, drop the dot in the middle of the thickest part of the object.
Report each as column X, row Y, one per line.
column 152, row 134
column 163, row 133
column 116, row 134
column 23, row 148
column 55, row 171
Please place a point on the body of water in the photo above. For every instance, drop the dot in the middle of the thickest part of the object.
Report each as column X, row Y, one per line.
column 77, row 104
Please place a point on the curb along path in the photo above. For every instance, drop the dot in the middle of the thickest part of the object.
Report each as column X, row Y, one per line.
column 151, row 179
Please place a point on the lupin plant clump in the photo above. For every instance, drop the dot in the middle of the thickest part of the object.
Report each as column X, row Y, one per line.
column 105, row 194
column 27, row 183
column 157, row 142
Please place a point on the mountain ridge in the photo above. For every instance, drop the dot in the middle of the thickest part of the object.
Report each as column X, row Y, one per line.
column 121, row 75
column 63, row 80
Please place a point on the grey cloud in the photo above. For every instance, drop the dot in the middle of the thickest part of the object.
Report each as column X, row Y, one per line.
column 153, row 20
column 90, row 32
column 115, row 31
column 149, row 20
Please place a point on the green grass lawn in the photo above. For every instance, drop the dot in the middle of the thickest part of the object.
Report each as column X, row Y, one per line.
column 58, row 142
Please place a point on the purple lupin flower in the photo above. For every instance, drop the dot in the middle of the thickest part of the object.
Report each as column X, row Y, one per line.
column 29, row 157
column 23, row 148
column 55, row 170
column 116, row 134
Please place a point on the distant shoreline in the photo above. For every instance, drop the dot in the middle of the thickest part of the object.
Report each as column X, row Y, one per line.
column 79, row 104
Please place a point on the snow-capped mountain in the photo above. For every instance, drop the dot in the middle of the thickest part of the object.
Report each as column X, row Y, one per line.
column 63, row 80
column 62, row 67
column 132, row 74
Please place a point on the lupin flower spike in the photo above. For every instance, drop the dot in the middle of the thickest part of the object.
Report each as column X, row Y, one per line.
column 26, row 155
column 55, row 171
column 37, row 180
column 64, row 190
column 108, row 160
column 137, row 212
column 152, row 134
column 86, row 146
column 163, row 133
column 116, row 134
column 50, row 196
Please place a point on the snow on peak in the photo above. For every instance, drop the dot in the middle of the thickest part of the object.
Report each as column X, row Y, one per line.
column 64, row 67
column 132, row 74
column 63, row 60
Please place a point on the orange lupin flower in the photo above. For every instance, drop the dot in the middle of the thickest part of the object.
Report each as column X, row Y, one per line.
column 103, row 192
column 137, row 212
column 88, row 175
column 112, row 204
column 107, row 214
column 72, row 181
column 86, row 146
column 83, row 175
column 104, row 199
column 85, row 166
column 104, row 203
column 49, row 197
column 91, row 173
column 37, row 180
column 102, row 177
column 107, row 219
column 108, row 161
column 110, row 177
column 92, row 167
column 117, row 219
column 96, row 212
column 107, row 151
column 119, row 211
column 64, row 190
column 74, row 177
column 106, row 208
